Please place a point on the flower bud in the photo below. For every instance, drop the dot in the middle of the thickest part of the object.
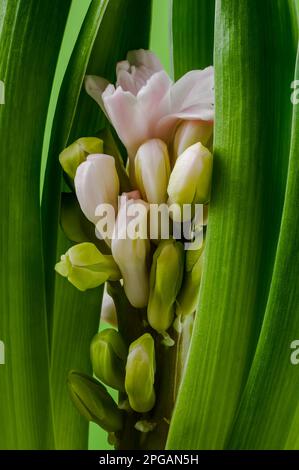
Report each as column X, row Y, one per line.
column 86, row 267
column 108, row 354
column 165, row 282
column 111, row 148
column 189, row 133
column 190, row 179
column 75, row 225
column 187, row 300
column 96, row 183
column 76, row 153
column 130, row 250
column 108, row 310
column 140, row 374
column 152, row 171
column 94, row 402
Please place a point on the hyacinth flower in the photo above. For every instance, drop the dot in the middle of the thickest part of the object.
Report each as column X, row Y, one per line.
column 180, row 307
column 152, row 283
column 146, row 104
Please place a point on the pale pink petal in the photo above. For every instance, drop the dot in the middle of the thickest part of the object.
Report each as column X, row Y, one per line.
column 154, row 96
column 127, row 82
column 126, row 116
column 135, row 117
column 122, row 65
column 190, row 98
column 146, row 58
column 193, row 88
column 95, row 86
column 135, row 194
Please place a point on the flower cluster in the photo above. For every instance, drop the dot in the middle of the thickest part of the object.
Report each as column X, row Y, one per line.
column 167, row 130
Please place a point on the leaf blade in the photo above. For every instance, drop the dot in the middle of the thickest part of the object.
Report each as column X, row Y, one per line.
column 243, row 225
column 192, row 20
column 266, row 415
column 30, row 36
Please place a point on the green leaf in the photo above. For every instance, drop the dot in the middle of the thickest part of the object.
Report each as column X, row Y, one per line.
column 76, row 320
column 30, row 37
column 192, row 35
column 110, row 29
column 61, row 128
column 254, row 63
column 268, row 415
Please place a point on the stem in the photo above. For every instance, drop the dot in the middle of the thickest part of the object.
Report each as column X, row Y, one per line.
column 170, row 368
column 130, row 326
column 170, row 362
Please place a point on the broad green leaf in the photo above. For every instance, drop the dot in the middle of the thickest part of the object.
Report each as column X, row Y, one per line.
column 268, row 415
column 192, row 35
column 76, row 320
column 61, row 128
column 30, row 37
column 254, row 63
column 110, row 29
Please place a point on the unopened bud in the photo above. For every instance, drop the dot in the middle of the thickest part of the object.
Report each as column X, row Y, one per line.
column 190, row 179
column 108, row 310
column 96, row 183
column 152, row 171
column 140, row 374
column 189, row 133
column 108, row 354
column 187, row 300
column 76, row 153
column 94, row 402
column 86, row 267
column 130, row 249
column 165, row 282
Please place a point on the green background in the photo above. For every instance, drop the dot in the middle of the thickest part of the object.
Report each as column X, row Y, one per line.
column 159, row 44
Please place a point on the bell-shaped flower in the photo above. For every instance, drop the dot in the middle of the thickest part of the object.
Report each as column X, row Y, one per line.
column 86, row 267
column 152, row 171
column 130, row 248
column 190, row 179
column 189, row 133
column 146, row 104
column 97, row 185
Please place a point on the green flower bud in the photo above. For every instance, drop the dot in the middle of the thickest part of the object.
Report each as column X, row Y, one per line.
column 190, row 179
column 165, row 282
column 189, row 133
column 108, row 310
column 94, row 402
column 76, row 153
column 108, row 356
column 187, row 300
column 76, row 227
column 152, row 171
column 140, row 374
column 86, row 267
